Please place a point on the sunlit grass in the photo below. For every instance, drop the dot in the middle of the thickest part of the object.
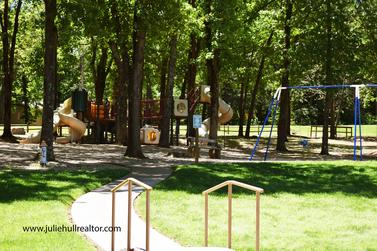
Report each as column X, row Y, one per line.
column 40, row 198
column 306, row 206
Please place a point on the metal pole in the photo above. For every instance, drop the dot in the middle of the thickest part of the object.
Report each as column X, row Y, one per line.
column 261, row 131
column 196, row 145
column 360, row 137
column 354, row 124
column 272, row 126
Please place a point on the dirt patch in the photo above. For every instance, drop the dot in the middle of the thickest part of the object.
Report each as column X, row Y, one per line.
column 91, row 156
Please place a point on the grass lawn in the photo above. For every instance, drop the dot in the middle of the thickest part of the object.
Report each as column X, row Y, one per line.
column 302, row 130
column 40, row 198
column 306, row 206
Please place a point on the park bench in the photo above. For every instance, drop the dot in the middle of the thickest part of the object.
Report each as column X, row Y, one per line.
column 339, row 130
column 214, row 149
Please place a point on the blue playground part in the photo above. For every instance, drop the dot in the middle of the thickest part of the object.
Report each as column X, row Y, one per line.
column 261, row 131
column 357, row 115
column 272, row 126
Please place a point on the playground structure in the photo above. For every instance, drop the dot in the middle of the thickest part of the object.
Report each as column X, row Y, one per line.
column 79, row 114
column 225, row 111
column 63, row 116
column 151, row 114
column 274, row 106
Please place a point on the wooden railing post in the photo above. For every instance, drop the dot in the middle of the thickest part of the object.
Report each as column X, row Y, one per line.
column 129, row 216
column 206, row 220
column 257, row 221
column 230, row 184
column 147, row 220
column 112, row 220
column 230, row 215
column 130, row 182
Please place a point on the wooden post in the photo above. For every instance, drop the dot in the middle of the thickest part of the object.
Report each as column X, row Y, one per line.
column 113, row 222
column 206, row 220
column 147, row 221
column 196, row 145
column 129, row 216
column 224, row 134
column 230, row 215
column 257, row 221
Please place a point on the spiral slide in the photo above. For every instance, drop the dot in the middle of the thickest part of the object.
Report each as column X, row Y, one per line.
column 225, row 111
column 62, row 116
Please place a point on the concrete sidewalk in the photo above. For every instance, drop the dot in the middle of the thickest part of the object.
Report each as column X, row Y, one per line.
column 94, row 208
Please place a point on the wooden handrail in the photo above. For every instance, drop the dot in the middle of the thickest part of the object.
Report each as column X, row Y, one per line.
column 230, row 184
column 130, row 182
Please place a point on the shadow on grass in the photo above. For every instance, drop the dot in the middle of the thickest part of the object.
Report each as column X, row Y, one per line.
column 279, row 177
column 61, row 186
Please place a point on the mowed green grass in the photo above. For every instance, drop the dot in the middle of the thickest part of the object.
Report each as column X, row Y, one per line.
column 40, row 198
column 298, row 130
column 232, row 130
column 305, row 206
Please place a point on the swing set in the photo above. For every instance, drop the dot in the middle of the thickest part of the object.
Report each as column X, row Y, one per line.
column 274, row 106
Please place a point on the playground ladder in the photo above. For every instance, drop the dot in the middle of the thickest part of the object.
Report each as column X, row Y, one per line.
column 230, row 184
column 130, row 182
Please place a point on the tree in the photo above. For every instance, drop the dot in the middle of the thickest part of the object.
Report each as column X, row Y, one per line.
column 190, row 76
column 134, row 90
column 120, row 53
column 213, row 67
column 50, row 69
column 100, row 70
column 258, row 81
column 8, row 65
column 167, row 111
column 284, row 103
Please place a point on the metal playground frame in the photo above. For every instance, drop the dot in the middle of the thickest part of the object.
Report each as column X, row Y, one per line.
column 275, row 102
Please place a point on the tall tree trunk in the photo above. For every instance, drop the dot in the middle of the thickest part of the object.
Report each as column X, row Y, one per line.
column 191, row 75
column 49, row 86
column 163, row 72
column 241, row 108
column 134, row 144
column 25, row 101
column 167, row 112
column 285, row 100
column 121, row 60
column 328, row 80
column 8, row 66
column 213, row 79
column 149, row 96
column 2, row 104
column 178, row 120
column 99, row 71
column 258, row 82
column 213, row 65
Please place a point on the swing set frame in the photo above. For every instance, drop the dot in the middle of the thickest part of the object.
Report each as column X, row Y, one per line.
column 274, row 104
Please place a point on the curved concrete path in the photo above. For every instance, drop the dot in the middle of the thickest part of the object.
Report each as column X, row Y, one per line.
column 94, row 208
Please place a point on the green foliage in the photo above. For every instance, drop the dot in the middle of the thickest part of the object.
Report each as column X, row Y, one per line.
column 240, row 31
